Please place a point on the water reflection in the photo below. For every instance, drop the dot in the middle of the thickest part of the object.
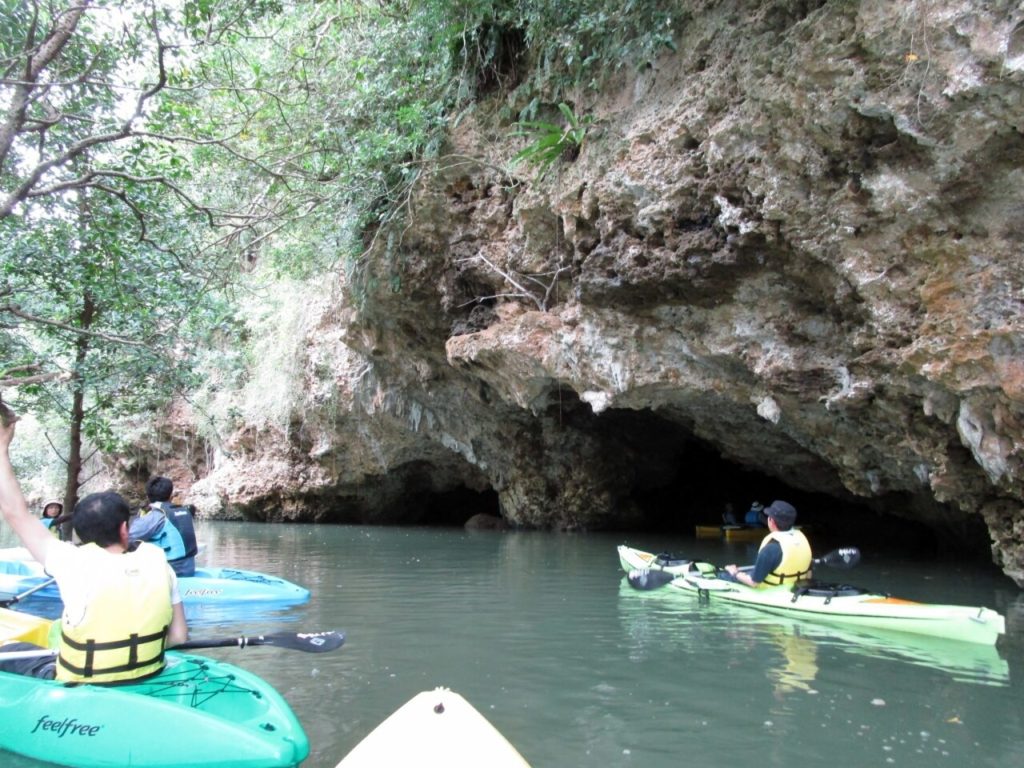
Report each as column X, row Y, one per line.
column 800, row 662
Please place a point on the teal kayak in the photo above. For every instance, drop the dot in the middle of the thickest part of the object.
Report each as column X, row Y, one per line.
column 815, row 601
column 196, row 713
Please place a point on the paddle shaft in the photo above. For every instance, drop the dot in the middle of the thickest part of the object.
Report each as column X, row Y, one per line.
column 18, row 598
column 309, row 642
column 29, row 654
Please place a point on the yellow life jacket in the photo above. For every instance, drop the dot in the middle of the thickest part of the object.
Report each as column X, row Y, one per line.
column 796, row 557
column 121, row 635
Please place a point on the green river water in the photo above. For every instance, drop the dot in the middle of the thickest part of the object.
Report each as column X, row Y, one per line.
column 541, row 633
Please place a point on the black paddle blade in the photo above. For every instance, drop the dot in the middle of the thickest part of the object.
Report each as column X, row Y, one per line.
column 846, row 557
column 310, row 642
column 645, row 578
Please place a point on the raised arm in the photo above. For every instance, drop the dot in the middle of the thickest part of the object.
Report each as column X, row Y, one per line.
column 26, row 526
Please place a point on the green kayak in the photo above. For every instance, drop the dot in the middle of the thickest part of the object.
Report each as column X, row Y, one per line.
column 196, row 712
column 819, row 602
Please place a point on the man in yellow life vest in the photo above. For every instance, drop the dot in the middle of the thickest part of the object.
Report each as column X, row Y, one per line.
column 121, row 606
column 784, row 556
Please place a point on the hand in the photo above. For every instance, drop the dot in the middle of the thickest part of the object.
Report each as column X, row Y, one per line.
column 7, row 421
column 731, row 569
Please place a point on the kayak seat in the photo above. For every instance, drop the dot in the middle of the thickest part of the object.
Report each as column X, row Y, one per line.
column 826, row 590
column 668, row 560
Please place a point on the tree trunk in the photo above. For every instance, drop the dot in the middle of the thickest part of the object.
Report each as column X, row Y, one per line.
column 85, row 319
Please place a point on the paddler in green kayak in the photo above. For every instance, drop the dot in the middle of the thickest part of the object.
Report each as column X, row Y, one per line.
column 121, row 605
column 785, row 554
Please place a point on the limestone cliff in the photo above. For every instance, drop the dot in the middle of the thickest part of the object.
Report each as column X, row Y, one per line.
column 794, row 243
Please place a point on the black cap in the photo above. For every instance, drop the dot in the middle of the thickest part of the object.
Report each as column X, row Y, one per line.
column 783, row 512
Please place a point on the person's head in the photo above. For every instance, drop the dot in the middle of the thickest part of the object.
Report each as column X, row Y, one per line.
column 52, row 508
column 782, row 513
column 159, row 489
column 98, row 518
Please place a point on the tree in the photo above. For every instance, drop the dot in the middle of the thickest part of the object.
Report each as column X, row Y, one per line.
column 103, row 265
column 111, row 320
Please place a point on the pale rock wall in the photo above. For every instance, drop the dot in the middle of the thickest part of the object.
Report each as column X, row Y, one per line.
column 798, row 238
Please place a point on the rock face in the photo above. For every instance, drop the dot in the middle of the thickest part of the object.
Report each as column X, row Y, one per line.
column 794, row 243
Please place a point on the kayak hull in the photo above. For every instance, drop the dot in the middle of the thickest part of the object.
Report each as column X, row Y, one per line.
column 862, row 609
column 435, row 729
column 731, row 533
column 196, row 713
column 217, row 586
column 23, row 627
column 751, row 534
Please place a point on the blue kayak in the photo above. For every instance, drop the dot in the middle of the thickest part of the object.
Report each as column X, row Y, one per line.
column 210, row 586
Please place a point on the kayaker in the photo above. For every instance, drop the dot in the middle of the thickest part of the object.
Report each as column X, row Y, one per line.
column 755, row 515
column 784, row 556
column 167, row 525
column 121, row 606
column 729, row 516
column 56, row 522
column 51, row 515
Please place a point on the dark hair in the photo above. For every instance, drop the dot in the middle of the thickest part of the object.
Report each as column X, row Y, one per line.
column 159, row 489
column 97, row 518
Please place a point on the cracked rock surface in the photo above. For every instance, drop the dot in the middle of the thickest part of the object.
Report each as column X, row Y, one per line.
column 797, row 240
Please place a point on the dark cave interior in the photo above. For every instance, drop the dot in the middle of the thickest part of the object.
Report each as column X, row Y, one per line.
column 681, row 481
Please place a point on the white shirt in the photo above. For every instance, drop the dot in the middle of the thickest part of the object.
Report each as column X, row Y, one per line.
column 74, row 569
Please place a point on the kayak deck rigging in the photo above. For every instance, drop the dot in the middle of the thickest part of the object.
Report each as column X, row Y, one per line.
column 192, row 684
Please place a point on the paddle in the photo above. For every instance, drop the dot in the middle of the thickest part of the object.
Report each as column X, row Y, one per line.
column 309, row 642
column 18, row 598
column 844, row 557
column 654, row 578
column 648, row 578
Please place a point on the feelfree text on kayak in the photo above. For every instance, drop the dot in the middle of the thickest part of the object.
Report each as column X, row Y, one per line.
column 65, row 727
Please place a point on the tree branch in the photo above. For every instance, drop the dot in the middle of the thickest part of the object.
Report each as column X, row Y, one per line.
column 17, row 118
column 17, row 312
column 20, row 381
column 35, row 64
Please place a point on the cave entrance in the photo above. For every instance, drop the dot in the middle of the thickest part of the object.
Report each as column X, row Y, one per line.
column 678, row 481
column 681, row 481
column 435, row 493
column 455, row 506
